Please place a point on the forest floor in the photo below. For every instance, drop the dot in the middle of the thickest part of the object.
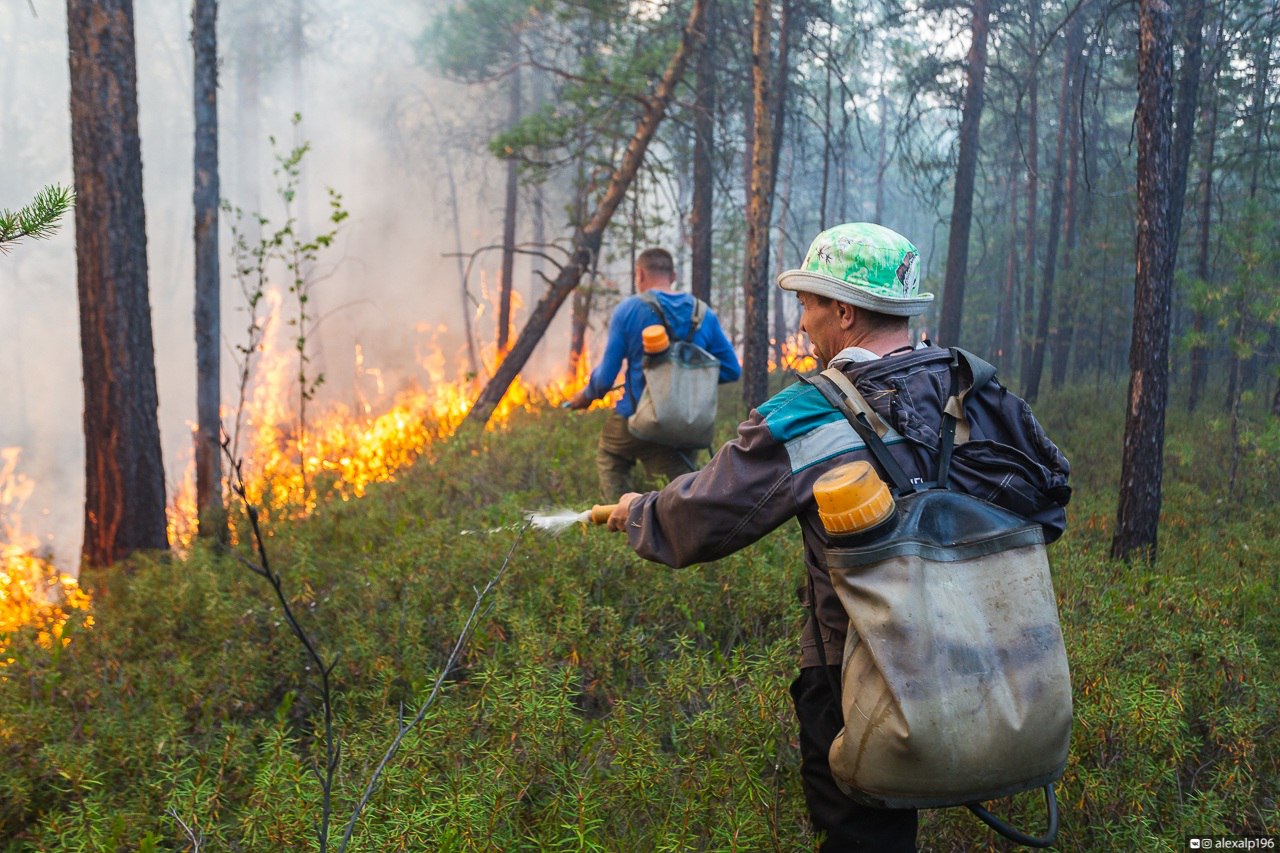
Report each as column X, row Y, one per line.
column 606, row 703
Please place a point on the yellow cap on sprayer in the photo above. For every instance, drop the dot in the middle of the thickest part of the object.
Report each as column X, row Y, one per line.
column 852, row 498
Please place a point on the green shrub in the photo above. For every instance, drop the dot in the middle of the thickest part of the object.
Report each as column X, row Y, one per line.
column 606, row 703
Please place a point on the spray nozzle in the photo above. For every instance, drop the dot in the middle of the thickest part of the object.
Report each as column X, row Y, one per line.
column 599, row 514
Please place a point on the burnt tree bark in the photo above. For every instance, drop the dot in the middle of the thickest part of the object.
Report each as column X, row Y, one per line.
column 124, row 473
column 1138, row 514
column 962, row 207
column 586, row 244
column 208, row 313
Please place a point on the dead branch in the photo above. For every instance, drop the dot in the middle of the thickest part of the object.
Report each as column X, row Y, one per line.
column 467, row 630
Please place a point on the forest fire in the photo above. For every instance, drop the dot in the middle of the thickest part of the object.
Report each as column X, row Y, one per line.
column 32, row 591
column 291, row 461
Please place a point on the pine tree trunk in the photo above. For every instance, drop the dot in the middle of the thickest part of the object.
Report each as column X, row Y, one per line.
column 1029, row 265
column 966, row 167
column 124, row 472
column 704, row 127
column 587, row 242
column 509, row 222
column 1004, row 317
column 1040, row 341
column 208, row 313
column 1199, row 355
column 1141, row 473
column 1063, row 336
column 755, row 290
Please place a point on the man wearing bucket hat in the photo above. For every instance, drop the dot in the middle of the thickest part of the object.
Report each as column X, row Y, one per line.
column 858, row 287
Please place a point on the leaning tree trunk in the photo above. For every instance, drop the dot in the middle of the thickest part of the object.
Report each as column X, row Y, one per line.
column 509, row 222
column 204, row 39
column 1138, row 514
column 587, row 242
column 966, row 167
column 124, row 472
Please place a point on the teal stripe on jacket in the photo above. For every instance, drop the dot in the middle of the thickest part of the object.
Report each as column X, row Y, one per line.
column 811, row 429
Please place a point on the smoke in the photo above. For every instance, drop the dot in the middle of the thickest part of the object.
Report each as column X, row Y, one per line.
column 383, row 131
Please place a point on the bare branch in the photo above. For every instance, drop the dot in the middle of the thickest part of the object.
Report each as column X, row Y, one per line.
column 464, row 637
column 194, row 837
column 332, row 748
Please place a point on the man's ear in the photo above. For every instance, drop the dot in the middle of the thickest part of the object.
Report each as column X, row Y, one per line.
column 847, row 313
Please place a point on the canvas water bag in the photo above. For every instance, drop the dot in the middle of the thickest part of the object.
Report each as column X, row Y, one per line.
column 955, row 685
column 954, row 682
column 678, row 404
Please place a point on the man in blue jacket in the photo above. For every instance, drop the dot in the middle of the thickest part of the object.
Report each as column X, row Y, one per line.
column 618, row 450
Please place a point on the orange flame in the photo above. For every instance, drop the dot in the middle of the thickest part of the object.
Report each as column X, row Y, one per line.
column 340, row 450
column 795, row 355
column 32, row 591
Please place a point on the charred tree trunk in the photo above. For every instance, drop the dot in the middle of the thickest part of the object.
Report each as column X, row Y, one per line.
column 962, row 207
column 1040, row 340
column 124, row 473
column 204, row 39
column 509, row 222
column 1142, row 466
column 704, row 128
column 587, row 243
column 755, row 289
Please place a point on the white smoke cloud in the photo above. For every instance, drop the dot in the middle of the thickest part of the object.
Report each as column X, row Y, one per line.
column 383, row 131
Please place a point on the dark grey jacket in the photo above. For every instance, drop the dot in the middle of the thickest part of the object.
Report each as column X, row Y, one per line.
column 765, row 476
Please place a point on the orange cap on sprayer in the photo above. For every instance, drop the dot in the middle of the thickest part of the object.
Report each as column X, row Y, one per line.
column 852, row 498
column 655, row 339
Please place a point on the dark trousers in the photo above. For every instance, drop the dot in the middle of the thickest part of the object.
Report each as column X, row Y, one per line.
column 848, row 826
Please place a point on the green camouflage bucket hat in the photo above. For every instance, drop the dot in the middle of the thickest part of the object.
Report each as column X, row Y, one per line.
column 864, row 264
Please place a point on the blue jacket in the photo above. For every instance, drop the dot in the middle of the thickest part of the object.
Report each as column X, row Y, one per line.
column 625, row 327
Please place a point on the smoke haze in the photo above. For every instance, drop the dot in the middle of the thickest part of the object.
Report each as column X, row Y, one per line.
column 383, row 132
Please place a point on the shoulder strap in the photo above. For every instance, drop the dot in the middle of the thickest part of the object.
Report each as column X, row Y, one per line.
column 856, row 414
column 651, row 299
column 699, row 313
column 955, row 424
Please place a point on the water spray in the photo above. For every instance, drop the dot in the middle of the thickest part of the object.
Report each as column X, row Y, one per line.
column 559, row 520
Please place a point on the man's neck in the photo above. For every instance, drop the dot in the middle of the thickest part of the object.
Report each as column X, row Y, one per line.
column 879, row 343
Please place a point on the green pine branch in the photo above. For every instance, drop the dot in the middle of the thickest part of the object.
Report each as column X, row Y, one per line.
column 38, row 220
